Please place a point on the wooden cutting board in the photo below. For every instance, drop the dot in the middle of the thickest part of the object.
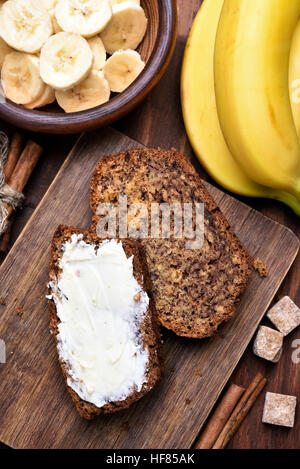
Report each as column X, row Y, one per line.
column 35, row 408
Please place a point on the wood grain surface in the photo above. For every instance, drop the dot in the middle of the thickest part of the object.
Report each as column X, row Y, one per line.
column 41, row 414
column 158, row 122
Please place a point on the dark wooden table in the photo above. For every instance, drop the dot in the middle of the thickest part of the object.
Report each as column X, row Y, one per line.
column 158, row 123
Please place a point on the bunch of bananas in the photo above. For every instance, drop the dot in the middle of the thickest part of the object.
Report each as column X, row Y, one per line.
column 240, row 93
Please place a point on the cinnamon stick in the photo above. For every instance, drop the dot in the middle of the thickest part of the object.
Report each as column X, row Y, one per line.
column 238, row 415
column 24, row 168
column 15, row 150
column 219, row 417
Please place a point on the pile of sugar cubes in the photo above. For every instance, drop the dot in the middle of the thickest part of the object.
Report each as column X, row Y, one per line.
column 279, row 409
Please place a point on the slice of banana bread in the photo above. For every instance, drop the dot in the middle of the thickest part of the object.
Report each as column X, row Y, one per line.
column 103, row 322
column 195, row 290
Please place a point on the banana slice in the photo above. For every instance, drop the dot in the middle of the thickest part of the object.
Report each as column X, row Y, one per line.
column 50, row 7
column 65, row 60
column 25, row 25
column 47, row 97
column 116, row 2
column 122, row 68
column 98, row 51
column 126, row 28
column 4, row 50
column 56, row 27
column 20, row 77
column 93, row 91
column 84, row 17
column 49, row 4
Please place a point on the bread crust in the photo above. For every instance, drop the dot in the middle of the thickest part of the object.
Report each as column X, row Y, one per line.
column 175, row 177
column 150, row 330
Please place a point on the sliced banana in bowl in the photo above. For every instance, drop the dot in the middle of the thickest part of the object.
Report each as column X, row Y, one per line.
column 25, row 25
column 65, row 60
column 126, row 29
column 68, row 59
column 91, row 92
column 80, row 54
column 47, row 97
column 98, row 51
column 122, row 68
column 50, row 7
column 20, row 76
column 49, row 4
column 84, row 17
column 4, row 50
column 116, row 2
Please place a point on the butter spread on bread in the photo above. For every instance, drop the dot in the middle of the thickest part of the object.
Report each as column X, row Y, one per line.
column 100, row 307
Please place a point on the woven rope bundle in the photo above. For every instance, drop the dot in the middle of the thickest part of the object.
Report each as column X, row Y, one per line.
column 7, row 195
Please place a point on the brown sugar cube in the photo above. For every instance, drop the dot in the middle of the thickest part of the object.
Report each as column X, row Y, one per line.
column 268, row 344
column 285, row 315
column 279, row 409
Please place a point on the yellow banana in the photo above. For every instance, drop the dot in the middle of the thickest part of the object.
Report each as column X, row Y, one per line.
column 294, row 77
column 200, row 112
column 251, row 65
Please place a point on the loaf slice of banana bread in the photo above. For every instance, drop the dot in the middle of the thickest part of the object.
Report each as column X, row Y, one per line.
column 194, row 290
column 103, row 321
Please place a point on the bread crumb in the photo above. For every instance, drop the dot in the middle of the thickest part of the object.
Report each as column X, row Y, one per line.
column 198, row 373
column 260, row 267
column 20, row 310
column 137, row 297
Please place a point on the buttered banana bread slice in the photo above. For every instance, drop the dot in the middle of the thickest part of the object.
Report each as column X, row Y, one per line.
column 194, row 290
column 102, row 320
